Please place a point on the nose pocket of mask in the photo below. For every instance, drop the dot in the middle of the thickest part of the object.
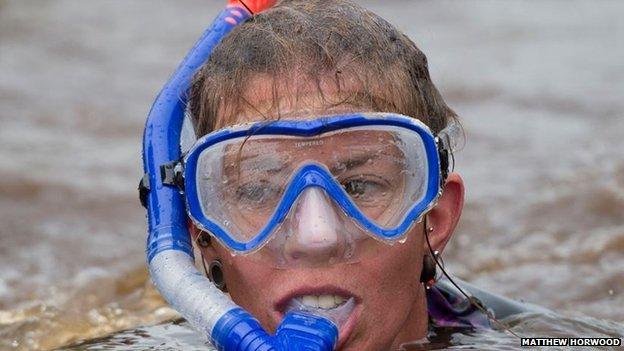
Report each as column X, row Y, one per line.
column 315, row 229
column 315, row 232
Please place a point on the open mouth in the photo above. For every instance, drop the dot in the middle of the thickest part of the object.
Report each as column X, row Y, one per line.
column 337, row 305
column 337, row 308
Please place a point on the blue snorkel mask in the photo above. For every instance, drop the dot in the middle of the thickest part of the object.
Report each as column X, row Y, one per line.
column 309, row 192
column 246, row 186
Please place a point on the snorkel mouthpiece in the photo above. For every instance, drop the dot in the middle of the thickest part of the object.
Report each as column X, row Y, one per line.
column 169, row 248
column 238, row 330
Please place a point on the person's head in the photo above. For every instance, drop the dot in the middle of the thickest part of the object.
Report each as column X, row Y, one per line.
column 308, row 58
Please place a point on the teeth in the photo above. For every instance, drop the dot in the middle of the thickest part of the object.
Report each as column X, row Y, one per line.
column 311, row 301
column 326, row 301
column 323, row 301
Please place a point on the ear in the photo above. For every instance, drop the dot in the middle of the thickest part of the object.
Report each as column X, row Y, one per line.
column 443, row 218
column 209, row 251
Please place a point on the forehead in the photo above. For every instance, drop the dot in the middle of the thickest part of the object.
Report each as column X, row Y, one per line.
column 266, row 98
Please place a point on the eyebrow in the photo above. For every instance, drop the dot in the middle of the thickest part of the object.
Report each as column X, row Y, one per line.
column 269, row 164
column 354, row 161
column 242, row 157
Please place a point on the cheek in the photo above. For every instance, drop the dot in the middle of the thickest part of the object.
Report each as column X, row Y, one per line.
column 399, row 264
column 250, row 286
column 392, row 290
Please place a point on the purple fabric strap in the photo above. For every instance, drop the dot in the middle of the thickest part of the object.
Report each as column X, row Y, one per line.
column 449, row 308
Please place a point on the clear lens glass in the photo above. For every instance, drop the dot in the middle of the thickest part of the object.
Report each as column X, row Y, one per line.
column 382, row 170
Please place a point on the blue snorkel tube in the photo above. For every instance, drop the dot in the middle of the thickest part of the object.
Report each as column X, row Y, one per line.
column 169, row 249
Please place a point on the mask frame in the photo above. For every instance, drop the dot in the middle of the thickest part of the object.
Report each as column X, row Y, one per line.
column 183, row 174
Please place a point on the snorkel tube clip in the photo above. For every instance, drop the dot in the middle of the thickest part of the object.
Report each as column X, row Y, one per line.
column 172, row 173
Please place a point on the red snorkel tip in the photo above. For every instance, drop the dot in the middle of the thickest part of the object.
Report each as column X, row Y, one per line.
column 253, row 6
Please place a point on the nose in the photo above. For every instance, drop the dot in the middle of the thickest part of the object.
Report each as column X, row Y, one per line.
column 316, row 227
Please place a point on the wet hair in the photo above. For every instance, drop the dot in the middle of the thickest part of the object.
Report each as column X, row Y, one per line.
column 365, row 61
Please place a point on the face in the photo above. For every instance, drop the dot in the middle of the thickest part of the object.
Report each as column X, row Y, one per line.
column 390, row 306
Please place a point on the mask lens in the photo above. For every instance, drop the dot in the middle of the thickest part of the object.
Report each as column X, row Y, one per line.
column 241, row 183
column 382, row 171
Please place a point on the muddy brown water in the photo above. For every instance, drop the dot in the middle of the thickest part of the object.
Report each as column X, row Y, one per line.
column 539, row 87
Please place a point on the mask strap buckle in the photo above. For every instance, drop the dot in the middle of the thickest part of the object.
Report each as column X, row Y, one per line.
column 443, row 154
column 449, row 140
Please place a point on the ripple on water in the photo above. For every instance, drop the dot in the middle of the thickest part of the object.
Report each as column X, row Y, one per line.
column 102, row 306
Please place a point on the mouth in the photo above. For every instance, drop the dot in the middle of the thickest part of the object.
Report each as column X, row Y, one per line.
column 337, row 305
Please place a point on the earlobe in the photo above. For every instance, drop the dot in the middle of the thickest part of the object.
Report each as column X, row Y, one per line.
column 443, row 218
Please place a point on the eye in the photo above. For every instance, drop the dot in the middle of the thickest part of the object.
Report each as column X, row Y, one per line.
column 256, row 193
column 365, row 189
